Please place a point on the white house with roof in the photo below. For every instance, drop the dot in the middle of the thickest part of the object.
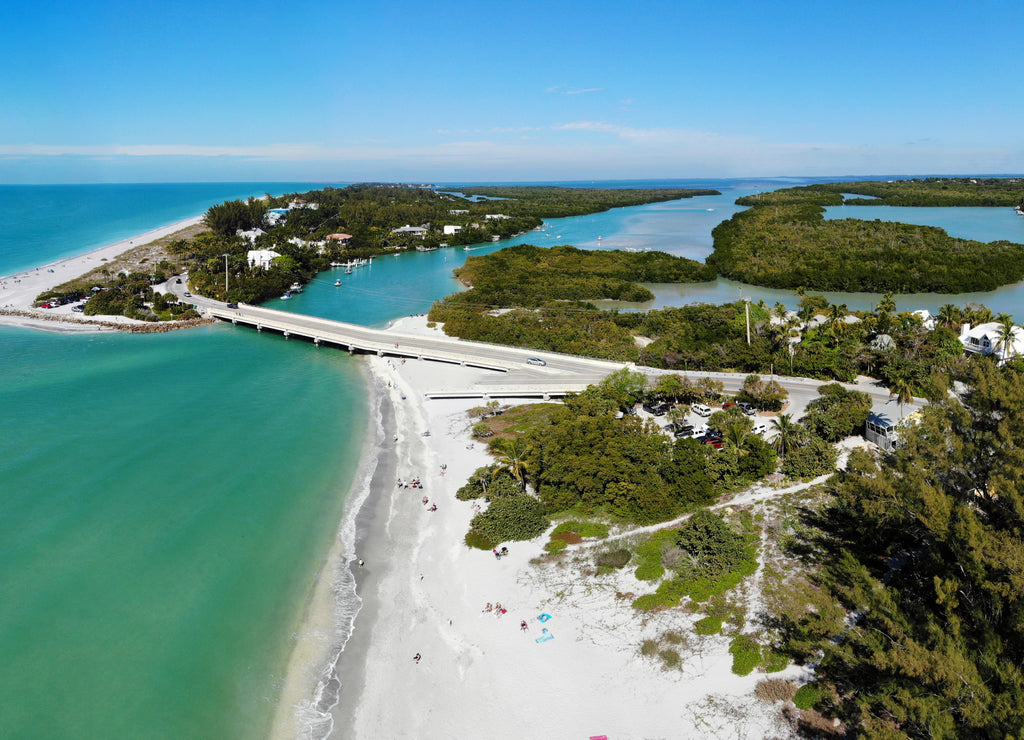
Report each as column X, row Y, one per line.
column 452, row 229
column 250, row 235
column 414, row 230
column 494, row 216
column 984, row 339
column 261, row 258
column 300, row 203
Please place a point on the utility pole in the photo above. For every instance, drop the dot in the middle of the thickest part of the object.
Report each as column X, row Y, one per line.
column 746, row 309
column 226, row 288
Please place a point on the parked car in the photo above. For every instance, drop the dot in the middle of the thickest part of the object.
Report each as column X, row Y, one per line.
column 232, row 305
column 178, row 281
column 760, row 428
column 748, row 409
column 531, row 361
column 701, row 410
column 728, row 405
column 187, row 294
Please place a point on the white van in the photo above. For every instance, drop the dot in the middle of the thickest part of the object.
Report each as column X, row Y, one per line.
column 701, row 410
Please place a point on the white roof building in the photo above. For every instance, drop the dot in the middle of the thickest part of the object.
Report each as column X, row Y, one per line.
column 250, row 235
column 452, row 229
column 414, row 230
column 262, row 258
column 984, row 339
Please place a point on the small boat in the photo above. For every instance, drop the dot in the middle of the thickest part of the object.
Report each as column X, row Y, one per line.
column 286, row 296
column 337, row 283
column 348, row 270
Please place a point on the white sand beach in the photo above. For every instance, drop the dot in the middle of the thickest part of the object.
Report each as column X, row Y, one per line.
column 18, row 291
column 424, row 593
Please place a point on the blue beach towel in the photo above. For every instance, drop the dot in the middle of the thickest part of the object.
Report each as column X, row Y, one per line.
column 544, row 617
column 545, row 638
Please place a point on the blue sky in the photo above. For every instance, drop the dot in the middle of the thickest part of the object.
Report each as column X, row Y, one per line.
column 231, row 91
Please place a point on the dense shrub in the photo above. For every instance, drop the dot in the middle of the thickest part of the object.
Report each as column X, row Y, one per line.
column 650, row 571
column 478, row 541
column 809, row 695
column 614, row 558
column 517, row 517
column 669, row 659
column 555, row 546
column 708, row 626
column 714, row 546
column 746, row 654
column 583, row 529
column 817, row 457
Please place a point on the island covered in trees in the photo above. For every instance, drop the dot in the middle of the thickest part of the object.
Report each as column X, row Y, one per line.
column 783, row 240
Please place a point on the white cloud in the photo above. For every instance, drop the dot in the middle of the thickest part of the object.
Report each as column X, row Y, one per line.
column 562, row 90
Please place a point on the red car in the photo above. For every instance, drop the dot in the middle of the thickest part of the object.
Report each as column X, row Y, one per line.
column 728, row 405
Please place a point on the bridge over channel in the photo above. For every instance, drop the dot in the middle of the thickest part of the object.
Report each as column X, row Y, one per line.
column 559, row 375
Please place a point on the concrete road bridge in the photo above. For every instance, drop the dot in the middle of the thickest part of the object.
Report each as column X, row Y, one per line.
column 514, row 376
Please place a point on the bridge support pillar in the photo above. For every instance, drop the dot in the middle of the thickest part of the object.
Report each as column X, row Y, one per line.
column 234, row 322
column 287, row 334
column 316, row 341
column 259, row 327
column 546, row 397
column 419, row 357
column 462, row 364
column 380, row 353
column 351, row 350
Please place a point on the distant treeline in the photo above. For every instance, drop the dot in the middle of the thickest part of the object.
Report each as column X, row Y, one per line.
column 559, row 202
column 932, row 191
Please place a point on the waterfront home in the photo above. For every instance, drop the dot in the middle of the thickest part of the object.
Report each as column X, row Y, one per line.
column 984, row 339
column 884, row 432
column 342, row 239
column 300, row 203
column 414, row 230
column 250, row 235
column 494, row 216
column 261, row 258
column 458, row 212
column 452, row 229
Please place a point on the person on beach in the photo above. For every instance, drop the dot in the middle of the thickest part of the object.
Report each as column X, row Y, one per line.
column 488, row 608
column 523, row 626
column 425, row 500
column 416, row 658
column 360, row 562
column 433, row 508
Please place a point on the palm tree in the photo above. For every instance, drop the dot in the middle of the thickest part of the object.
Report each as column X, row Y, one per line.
column 887, row 304
column 788, row 433
column 510, row 458
column 950, row 316
column 1005, row 335
column 901, row 387
column 837, row 321
column 736, row 435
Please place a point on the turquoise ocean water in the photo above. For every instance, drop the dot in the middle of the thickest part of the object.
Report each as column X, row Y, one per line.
column 167, row 499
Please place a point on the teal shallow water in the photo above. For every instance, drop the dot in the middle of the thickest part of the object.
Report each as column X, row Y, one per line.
column 166, row 502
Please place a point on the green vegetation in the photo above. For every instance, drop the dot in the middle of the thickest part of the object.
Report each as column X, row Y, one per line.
column 370, row 214
column 708, row 626
column 920, row 554
column 837, row 412
column 526, row 276
column 705, row 558
column 508, row 518
column 932, row 191
column 559, row 202
column 746, row 654
column 706, row 337
column 792, row 246
column 583, row 529
column 809, row 695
